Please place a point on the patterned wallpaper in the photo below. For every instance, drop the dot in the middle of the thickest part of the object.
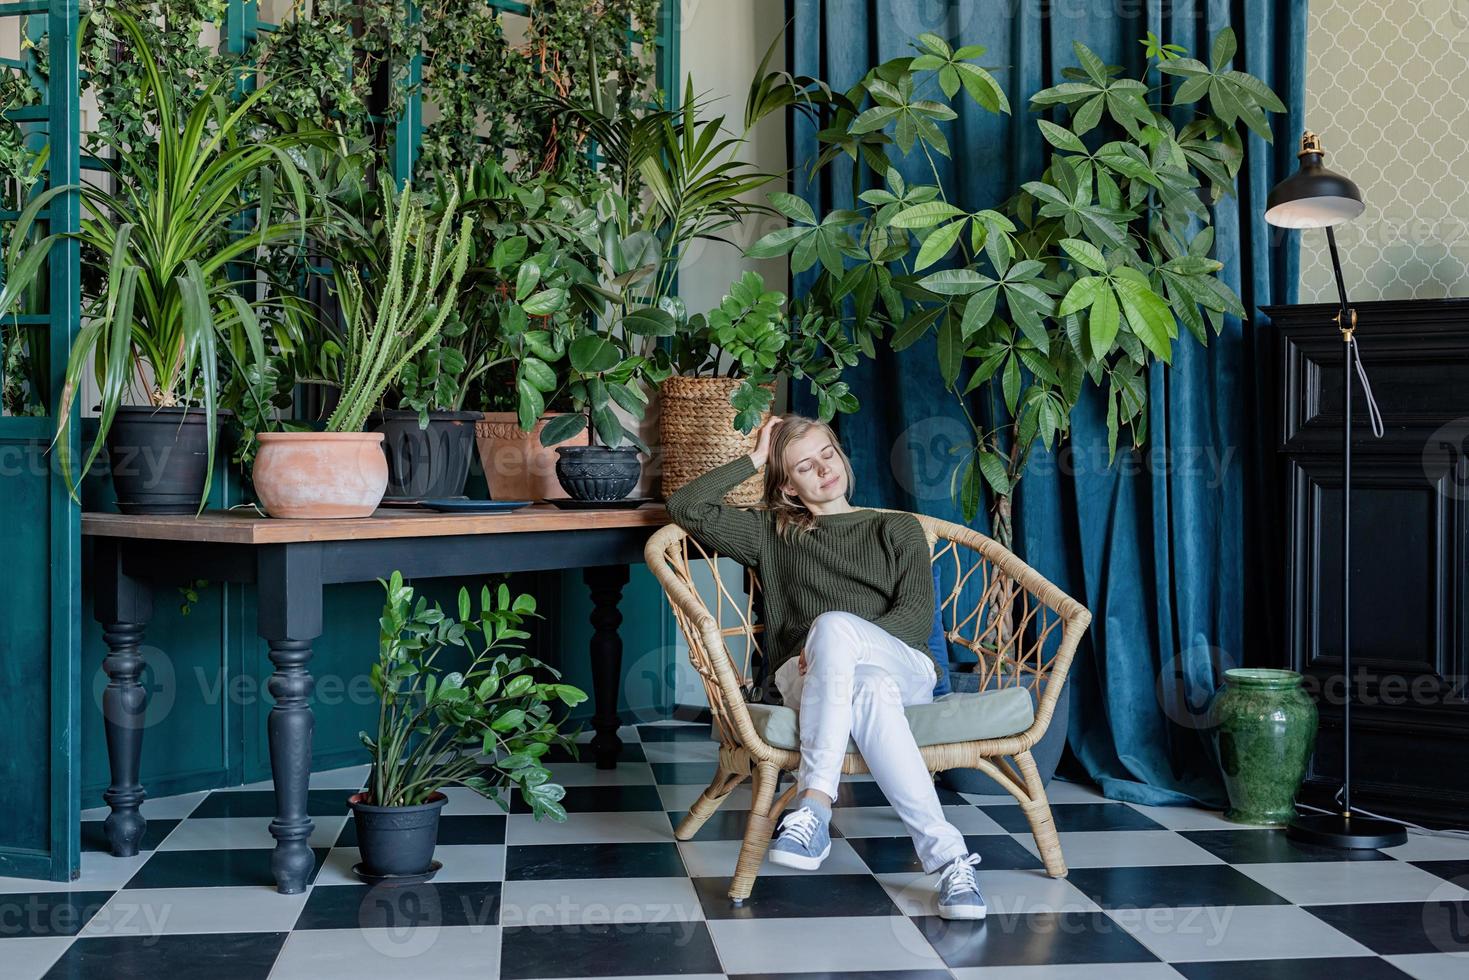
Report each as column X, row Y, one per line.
column 1387, row 89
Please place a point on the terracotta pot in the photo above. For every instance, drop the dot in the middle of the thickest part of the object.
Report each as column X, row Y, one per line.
column 320, row 474
column 517, row 466
column 697, row 434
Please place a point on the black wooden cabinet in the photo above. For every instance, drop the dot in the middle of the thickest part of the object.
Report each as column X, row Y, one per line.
column 1410, row 547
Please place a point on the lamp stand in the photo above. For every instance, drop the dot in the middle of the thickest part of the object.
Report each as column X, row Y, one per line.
column 1346, row 830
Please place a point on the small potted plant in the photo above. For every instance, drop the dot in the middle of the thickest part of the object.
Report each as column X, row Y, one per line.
column 342, row 472
column 721, row 379
column 486, row 726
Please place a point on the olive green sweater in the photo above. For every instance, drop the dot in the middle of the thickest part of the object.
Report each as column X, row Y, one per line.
column 871, row 563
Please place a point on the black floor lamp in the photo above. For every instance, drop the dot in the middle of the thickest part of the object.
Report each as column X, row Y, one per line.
column 1314, row 197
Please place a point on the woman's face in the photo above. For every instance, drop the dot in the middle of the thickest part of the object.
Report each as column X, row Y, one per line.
column 814, row 469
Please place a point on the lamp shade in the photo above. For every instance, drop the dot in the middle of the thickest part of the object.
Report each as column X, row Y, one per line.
column 1312, row 197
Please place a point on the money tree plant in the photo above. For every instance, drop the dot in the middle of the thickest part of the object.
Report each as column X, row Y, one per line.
column 1083, row 275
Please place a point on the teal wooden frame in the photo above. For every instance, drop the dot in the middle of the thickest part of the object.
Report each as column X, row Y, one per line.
column 54, row 668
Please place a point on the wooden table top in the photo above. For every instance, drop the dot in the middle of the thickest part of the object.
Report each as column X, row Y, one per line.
column 247, row 527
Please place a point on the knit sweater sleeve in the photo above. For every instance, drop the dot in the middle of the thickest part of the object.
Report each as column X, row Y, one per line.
column 910, row 617
column 734, row 531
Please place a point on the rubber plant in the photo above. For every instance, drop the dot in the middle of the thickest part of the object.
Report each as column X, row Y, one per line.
column 486, row 726
column 1082, row 276
column 166, row 312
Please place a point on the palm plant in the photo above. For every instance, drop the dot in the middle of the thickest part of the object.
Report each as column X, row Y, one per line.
column 185, row 214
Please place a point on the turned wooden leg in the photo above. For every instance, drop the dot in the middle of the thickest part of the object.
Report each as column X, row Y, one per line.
column 605, row 583
column 1038, row 811
column 123, row 607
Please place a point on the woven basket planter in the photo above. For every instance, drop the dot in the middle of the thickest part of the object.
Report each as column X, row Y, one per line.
column 697, row 434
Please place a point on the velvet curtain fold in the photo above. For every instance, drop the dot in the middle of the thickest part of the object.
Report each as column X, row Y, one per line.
column 1176, row 547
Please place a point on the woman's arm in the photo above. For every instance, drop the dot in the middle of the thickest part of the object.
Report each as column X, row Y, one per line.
column 910, row 617
column 697, row 507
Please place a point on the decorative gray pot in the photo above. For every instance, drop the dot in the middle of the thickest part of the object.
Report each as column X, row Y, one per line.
column 429, row 462
column 598, row 472
column 397, row 841
column 1046, row 752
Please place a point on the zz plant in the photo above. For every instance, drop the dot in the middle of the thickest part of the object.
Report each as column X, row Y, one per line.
column 1081, row 276
column 487, row 726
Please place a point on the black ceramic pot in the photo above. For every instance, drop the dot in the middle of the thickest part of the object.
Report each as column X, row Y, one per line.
column 397, row 841
column 426, row 463
column 598, row 472
column 159, row 458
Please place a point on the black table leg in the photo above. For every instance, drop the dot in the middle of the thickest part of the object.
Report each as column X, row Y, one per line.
column 289, row 614
column 605, row 583
column 123, row 606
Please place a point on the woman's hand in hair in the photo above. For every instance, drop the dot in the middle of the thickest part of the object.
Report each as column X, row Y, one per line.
column 762, row 440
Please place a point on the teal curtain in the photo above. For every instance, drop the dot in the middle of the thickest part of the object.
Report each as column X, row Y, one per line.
column 1175, row 548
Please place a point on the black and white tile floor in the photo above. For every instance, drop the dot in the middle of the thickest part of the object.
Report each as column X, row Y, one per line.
column 1153, row 892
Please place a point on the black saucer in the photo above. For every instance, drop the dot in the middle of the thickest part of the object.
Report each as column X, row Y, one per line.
column 417, row 879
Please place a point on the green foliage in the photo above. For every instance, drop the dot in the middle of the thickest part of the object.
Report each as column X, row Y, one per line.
column 1083, row 275
column 487, row 726
column 413, row 298
column 158, row 300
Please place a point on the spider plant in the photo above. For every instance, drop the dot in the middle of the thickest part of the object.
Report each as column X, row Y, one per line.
column 185, row 213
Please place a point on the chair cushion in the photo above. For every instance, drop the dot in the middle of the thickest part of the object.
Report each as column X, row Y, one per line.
column 951, row 718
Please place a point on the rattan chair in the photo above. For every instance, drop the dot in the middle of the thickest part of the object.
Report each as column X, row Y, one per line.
column 1015, row 618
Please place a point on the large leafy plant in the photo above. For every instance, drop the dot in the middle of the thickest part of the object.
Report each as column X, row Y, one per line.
column 1083, row 275
column 487, row 726
column 163, row 254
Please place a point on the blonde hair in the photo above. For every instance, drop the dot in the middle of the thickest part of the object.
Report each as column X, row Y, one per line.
column 790, row 512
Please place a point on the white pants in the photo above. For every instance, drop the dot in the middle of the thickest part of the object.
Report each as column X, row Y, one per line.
column 858, row 678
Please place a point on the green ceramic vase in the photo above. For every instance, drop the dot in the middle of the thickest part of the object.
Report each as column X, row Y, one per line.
column 1266, row 728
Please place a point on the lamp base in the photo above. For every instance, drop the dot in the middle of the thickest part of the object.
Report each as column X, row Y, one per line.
column 1346, row 831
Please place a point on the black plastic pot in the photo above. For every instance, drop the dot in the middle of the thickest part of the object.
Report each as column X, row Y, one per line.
column 159, row 458
column 598, row 472
column 426, row 463
column 397, row 841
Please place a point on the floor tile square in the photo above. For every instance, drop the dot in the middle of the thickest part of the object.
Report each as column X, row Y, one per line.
column 1402, row 927
column 1430, row 966
column 175, row 911
column 240, row 956
column 1071, row 971
column 681, row 796
column 648, row 734
column 162, row 808
column 1341, row 882
column 1191, row 818
column 558, row 861
column 1005, row 892
column 429, row 906
column 627, row 949
column 633, row 826
column 461, row 862
column 696, row 773
column 229, row 833
column 1174, row 886
column 552, row 902
column 883, row 821
column 1124, row 848
column 1246, row 932
column 853, row 793
column 716, row 859
column 892, row 855
column 798, row 896
column 821, row 945
column 602, row 799
column 1074, row 817
column 261, row 803
column 94, row 836
column 587, row 774
column 99, row 873
column 1270, row 847
column 212, row 869
column 462, row 801
column 1430, row 847
column 27, row 958
column 1453, row 871
column 1034, row 939
column 350, row 778
column 631, row 751
column 448, row 953
column 1065, row 791
column 682, row 752
column 726, row 823
column 47, row 914
column 1311, row 968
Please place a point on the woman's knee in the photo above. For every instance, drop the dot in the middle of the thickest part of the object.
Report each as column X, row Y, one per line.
column 832, row 630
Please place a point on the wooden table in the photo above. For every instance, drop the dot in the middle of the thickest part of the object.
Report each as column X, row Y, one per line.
column 289, row 561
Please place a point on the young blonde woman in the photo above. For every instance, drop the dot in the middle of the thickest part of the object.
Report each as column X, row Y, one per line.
column 849, row 605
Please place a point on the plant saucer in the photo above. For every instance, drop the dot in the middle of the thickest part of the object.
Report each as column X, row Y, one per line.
column 418, row 879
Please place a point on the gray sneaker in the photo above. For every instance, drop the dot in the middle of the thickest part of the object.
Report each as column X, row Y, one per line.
column 804, row 841
column 959, row 896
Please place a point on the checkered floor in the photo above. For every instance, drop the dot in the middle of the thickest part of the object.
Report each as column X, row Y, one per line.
column 1152, row 893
